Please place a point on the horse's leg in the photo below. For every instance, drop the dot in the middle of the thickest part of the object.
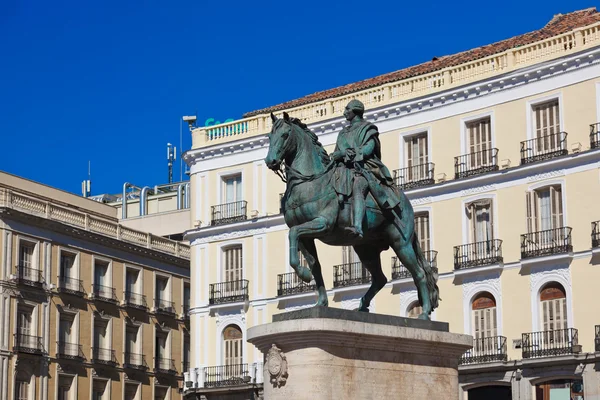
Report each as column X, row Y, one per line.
column 309, row 250
column 311, row 228
column 371, row 260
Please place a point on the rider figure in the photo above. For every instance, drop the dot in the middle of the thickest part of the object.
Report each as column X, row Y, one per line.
column 358, row 155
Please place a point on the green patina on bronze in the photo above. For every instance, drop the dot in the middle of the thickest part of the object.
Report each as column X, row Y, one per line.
column 348, row 199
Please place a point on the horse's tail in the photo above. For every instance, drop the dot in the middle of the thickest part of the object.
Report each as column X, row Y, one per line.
column 430, row 275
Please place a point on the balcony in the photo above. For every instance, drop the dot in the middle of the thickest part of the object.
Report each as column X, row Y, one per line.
column 544, row 148
column 164, row 366
column 29, row 277
column 597, row 338
column 487, row 349
column 28, row 344
column 548, row 242
column 415, row 176
column 350, row 274
column 595, row 234
column 228, row 292
column 69, row 351
column 104, row 356
column 550, row 343
column 289, row 283
column 226, row 375
column 478, row 254
column 186, row 311
column 135, row 361
column 476, row 163
column 595, row 136
column 229, row 213
column 399, row 271
column 136, row 300
column 105, row 293
column 162, row 306
column 71, row 286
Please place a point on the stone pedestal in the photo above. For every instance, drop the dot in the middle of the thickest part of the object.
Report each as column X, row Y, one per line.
column 329, row 353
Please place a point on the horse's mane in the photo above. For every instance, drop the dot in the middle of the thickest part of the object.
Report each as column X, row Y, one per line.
column 314, row 139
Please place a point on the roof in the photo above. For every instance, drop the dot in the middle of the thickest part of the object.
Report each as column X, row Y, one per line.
column 559, row 24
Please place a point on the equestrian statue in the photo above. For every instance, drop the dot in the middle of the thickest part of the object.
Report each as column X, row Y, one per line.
column 348, row 199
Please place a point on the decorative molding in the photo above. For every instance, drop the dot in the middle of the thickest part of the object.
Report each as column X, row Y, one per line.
column 549, row 274
column 421, row 200
column 407, row 297
column 472, row 285
column 546, row 175
column 478, row 189
column 538, row 278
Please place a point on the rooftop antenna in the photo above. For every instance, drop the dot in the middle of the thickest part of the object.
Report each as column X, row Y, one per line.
column 86, row 185
column 171, row 156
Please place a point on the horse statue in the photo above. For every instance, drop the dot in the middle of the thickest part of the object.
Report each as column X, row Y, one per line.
column 312, row 210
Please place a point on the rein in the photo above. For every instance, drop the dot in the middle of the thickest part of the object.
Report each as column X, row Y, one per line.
column 295, row 174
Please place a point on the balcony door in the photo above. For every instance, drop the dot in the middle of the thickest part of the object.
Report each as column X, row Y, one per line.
column 24, row 319
column 481, row 230
column 66, row 335
column 22, row 385
column 546, row 125
column 232, row 188
column 100, row 274
column 422, row 230
column 479, row 140
column 161, row 345
column 484, row 324
column 417, row 157
column 101, row 335
column 232, row 270
column 553, row 310
column 132, row 344
column 545, row 215
column 131, row 283
column 26, row 259
column 232, row 347
column 67, row 266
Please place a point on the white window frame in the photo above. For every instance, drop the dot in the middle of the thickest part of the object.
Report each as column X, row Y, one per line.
column 109, row 325
column 107, row 392
column 466, row 239
column 563, row 196
column 108, row 269
column 73, row 390
column 34, row 316
column 75, row 328
column 76, row 263
column 30, row 385
column 470, row 292
column 140, row 281
column 137, row 392
column 404, row 136
column 140, row 335
column 429, row 211
column 223, row 322
column 464, row 141
column 221, row 176
column 35, row 256
column 541, row 100
column 168, row 344
column 550, row 275
column 169, row 288
column 221, row 251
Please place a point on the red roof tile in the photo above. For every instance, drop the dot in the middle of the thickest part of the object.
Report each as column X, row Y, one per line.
column 558, row 25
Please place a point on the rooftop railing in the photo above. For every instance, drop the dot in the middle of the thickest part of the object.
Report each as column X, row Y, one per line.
column 399, row 271
column 479, row 162
column 350, row 274
column 550, row 343
column 290, row 283
column 228, row 292
column 478, row 254
column 229, row 212
column 595, row 135
column 486, row 349
column 547, row 242
column 544, row 148
column 415, row 176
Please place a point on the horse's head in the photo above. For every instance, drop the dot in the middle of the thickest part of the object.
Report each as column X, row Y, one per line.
column 280, row 143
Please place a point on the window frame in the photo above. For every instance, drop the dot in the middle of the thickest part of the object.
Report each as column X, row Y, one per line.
column 404, row 137
column 529, row 110
column 109, row 269
column 464, row 140
column 76, row 262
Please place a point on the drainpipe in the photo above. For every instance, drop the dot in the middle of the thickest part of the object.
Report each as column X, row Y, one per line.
column 187, row 196
column 124, row 200
column 179, row 195
column 143, row 199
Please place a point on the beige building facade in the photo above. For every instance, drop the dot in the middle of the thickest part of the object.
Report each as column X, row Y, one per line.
column 92, row 309
column 498, row 151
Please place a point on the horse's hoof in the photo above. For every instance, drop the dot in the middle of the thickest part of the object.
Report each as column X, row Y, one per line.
column 424, row 317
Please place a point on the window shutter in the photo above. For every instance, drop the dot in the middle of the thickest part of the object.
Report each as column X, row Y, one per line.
column 545, row 317
column 531, row 207
column 556, row 207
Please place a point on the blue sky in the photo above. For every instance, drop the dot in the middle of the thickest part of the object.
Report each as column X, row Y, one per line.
column 108, row 81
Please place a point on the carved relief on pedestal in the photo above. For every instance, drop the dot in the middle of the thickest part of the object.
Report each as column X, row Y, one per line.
column 277, row 366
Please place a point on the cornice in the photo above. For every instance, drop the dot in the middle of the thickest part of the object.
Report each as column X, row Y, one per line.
column 236, row 230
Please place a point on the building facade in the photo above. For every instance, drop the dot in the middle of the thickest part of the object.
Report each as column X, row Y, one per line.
column 498, row 150
column 92, row 309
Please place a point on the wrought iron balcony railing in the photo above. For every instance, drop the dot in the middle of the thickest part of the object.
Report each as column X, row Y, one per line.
column 228, row 292
column 476, row 163
column 550, row 343
column 399, row 271
column 350, row 274
column 226, row 375
column 486, row 349
column 29, row 276
column 163, row 306
column 229, row 212
column 104, row 356
column 543, row 243
column 71, row 351
column 595, row 234
column 415, row 176
column 135, row 300
column 478, row 254
column 104, row 293
column 28, row 344
column 290, row 284
column 134, row 361
column 597, row 338
column 164, row 366
column 71, row 286
column 544, row 148
column 595, row 135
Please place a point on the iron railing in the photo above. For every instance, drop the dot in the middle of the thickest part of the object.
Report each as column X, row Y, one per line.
column 476, row 163
column 550, row 343
column 350, row 274
column 415, row 176
column 135, row 300
column 134, row 361
column 71, row 286
column 105, row 293
column 595, row 135
column 163, row 306
column 281, row 202
column 595, row 234
column 486, row 349
column 478, row 254
column 229, row 212
column 228, row 292
column 597, row 338
column 543, row 243
column 103, row 356
column 164, row 365
column 226, row 375
column 290, row 283
column 185, row 308
column 71, row 351
column 544, row 148
column 399, row 271
column 29, row 276
column 28, row 344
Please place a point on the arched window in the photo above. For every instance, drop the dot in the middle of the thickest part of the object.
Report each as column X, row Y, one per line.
column 232, row 345
column 414, row 310
column 485, row 321
column 22, row 386
column 553, row 307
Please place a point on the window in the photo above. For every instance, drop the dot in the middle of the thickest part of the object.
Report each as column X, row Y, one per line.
column 24, row 321
column 232, row 188
column 561, row 389
column 133, row 351
column 186, row 351
column 161, row 393
column 414, row 310
column 26, row 251
column 67, row 336
column 544, row 209
column 133, row 287
column 101, row 278
column 186, row 297
column 131, row 391
column 162, row 292
column 66, row 388
column 553, row 307
column 100, row 390
column 479, row 141
column 22, row 386
column 479, row 213
column 546, row 126
column 232, row 340
column 67, row 266
column 162, row 349
column 232, row 264
column 102, row 346
column 349, row 256
column 484, row 316
column 422, row 230
column 417, row 157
